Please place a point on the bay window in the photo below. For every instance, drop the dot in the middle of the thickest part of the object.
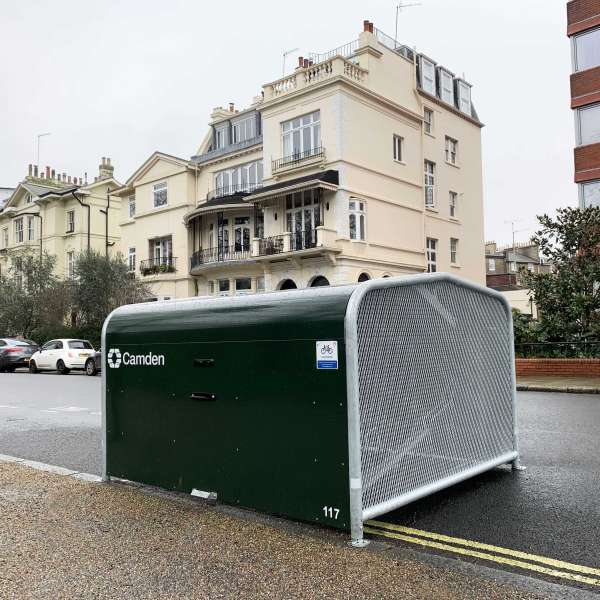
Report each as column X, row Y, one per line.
column 245, row 178
column 19, row 230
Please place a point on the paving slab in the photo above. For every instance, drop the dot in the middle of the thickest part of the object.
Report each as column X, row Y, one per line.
column 575, row 385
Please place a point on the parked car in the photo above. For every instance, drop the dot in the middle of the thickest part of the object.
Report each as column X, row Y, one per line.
column 93, row 365
column 15, row 354
column 62, row 356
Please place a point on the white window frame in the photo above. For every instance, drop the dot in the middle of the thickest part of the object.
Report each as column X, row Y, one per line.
column 428, row 122
column 491, row 264
column 220, row 137
column 398, row 146
column 592, row 108
column 5, row 241
column 513, row 266
column 242, row 292
column 243, row 178
column 131, row 206
column 243, row 129
column 158, row 200
column 530, row 267
column 71, row 264
column 19, row 235
column 464, row 97
column 428, row 76
column 131, row 259
column 357, row 219
column 454, row 242
column 28, row 198
column 225, row 292
column 451, row 150
column 446, row 86
column 301, row 136
column 30, row 228
column 429, row 183
column 591, row 32
column 432, row 255
column 70, row 221
column 453, row 205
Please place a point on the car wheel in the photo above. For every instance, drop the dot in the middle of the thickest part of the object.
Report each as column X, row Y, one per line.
column 61, row 368
column 32, row 367
column 90, row 367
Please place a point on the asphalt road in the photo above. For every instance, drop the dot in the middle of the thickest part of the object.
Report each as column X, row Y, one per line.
column 52, row 418
column 551, row 509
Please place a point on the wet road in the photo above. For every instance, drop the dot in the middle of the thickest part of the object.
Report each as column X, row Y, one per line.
column 51, row 418
column 552, row 508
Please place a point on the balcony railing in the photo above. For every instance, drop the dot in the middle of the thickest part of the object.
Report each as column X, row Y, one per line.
column 297, row 158
column 238, row 189
column 158, row 266
column 270, row 245
column 218, row 152
column 301, row 240
column 223, row 254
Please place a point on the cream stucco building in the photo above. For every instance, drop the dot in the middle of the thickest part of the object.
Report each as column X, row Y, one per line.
column 365, row 162
column 60, row 215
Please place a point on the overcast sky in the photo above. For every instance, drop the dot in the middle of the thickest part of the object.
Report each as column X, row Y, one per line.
column 125, row 78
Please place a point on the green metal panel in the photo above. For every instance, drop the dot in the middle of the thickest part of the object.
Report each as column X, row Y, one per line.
column 275, row 438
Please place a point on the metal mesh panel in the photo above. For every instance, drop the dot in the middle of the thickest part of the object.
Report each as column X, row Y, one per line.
column 435, row 386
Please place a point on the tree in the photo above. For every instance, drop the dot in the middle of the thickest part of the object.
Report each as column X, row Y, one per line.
column 568, row 298
column 102, row 284
column 31, row 296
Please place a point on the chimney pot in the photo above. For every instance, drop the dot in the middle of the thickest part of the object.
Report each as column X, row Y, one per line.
column 371, row 26
column 47, row 172
column 305, row 63
column 30, row 169
column 108, row 160
column 85, row 176
column 64, row 178
column 300, row 62
column 231, row 107
column 35, row 170
column 53, row 174
column 365, row 25
column 59, row 177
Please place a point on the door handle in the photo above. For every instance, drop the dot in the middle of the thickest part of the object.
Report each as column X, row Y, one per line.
column 204, row 362
column 205, row 396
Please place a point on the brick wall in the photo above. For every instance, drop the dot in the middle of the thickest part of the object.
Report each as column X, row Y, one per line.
column 558, row 367
column 585, row 87
column 582, row 14
column 587, row 162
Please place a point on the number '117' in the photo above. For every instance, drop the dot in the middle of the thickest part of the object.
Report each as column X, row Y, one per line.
column 331, row 512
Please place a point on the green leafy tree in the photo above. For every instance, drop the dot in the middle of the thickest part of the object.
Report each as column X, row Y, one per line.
column 31, row 296
column 102, row 284
column 568, row 298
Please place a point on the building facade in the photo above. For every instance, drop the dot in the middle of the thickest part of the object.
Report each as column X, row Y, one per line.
column 505, row 267
column 364, row 162
column 61, row 215
column 583, row 29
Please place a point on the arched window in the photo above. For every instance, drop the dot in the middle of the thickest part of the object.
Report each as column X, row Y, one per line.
column 288, row 284
column 363, row 277
column 319, row 281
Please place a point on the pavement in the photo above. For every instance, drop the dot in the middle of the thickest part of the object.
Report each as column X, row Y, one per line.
column 576, row 385
column 62, row 538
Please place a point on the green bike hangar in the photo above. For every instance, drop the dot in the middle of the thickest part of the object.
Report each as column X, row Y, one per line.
column 328, row 405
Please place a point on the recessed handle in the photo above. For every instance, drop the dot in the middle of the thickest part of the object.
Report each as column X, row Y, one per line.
column 204, row 362
column 204, row 396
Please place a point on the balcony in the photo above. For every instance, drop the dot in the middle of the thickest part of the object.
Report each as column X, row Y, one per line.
column 297, row 159
column 210, row 256
column 238, row 190
column 158, row 266
column 271, row 245
column 331, row 69
column 219, row 152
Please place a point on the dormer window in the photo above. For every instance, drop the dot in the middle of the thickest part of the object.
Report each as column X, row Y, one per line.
column 427, row 76
column 446, row 86
column 220, row 139
column 244, row 130
column 464, row 97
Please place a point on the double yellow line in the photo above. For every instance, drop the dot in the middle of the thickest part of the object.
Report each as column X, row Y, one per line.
column 503, row 556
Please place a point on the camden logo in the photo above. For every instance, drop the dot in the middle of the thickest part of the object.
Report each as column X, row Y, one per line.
column 115, row 359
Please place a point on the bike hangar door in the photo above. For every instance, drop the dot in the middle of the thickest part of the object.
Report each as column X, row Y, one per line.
column 431, row 390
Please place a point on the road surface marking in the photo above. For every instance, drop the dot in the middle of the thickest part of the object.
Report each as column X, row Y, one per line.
column 486, row 556
column 7, row 406
column 480, row 546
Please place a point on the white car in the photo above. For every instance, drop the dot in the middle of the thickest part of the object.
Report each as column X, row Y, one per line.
column 62, row 356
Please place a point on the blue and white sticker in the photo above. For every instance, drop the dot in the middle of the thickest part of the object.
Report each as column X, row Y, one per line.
column 327, row 355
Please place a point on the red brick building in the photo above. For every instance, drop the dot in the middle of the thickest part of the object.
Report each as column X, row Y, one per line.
column 583, row 18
